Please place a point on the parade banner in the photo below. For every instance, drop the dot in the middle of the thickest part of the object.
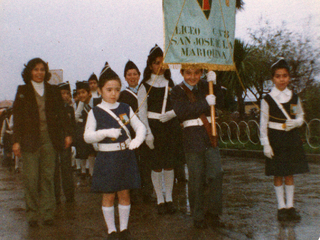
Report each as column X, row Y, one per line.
column 199, row 32
column 56, row 76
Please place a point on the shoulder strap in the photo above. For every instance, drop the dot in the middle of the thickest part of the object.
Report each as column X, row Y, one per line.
column 165, row 99
column 203, row 117
column 280, row 106
column 112, row 114
column 132, row 93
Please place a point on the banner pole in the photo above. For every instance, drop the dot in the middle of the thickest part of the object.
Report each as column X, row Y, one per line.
column 213, row 117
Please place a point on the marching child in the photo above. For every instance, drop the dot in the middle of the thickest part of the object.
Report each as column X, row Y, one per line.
column 163, row 128
column 63, row 164
column 116, row 170
column 129, row 96
column 281, row 115
column 85, row 152
column 191, row 103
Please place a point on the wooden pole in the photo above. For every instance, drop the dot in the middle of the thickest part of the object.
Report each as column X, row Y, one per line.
column 213, row 113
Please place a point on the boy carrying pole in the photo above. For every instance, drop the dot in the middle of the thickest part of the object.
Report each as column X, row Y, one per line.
column 192, row 104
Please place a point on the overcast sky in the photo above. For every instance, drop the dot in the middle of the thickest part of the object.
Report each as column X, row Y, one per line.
column 80, row 36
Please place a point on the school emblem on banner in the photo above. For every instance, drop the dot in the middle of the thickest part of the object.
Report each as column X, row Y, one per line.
column 205, row 7
column 199, row 32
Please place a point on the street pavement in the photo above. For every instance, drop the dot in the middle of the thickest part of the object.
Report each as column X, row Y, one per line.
column 249, row 210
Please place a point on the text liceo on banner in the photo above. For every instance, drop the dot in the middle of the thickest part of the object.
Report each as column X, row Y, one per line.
column 200, row 32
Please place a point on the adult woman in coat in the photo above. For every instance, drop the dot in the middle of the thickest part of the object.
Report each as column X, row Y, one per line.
column 41, row 128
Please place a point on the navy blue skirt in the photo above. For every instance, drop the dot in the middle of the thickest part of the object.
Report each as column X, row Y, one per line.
column 115, row 171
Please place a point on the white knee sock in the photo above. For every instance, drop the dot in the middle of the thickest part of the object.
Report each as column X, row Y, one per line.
column 78, row 163
column 83, row 165
column 91, row 160
column 124, row 212
column 289, row 189
column 156, row 178
column 108, row 213
column 280, row 196
column 168, row 181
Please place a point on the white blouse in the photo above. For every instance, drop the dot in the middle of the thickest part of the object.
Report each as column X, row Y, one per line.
column 282, row 97
column 91, row 135
column 157, row 81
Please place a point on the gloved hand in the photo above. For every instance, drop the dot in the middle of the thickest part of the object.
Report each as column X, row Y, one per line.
column 111, row 133
column 135, row 143
column 167, row 116
column 291, row 124
column 212, row 77
column 211, row 99
column 267, row 151
column 149, row 140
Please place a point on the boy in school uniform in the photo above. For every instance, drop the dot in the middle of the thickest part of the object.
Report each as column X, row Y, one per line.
column 63, row 164
column 85, row 152
column 203, row 160
column 93, row 84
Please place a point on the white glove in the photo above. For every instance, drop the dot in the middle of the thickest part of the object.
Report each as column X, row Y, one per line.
column 291, row 124
column 135, row 143
column 149, row 140
column 212, row 77
column 267, row 151
column 167, row 116
column 111, row 133
column 211, row 99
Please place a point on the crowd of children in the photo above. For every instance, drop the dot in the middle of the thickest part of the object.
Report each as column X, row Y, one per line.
column 135, row 138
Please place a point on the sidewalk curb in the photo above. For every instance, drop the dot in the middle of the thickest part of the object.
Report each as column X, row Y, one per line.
column 314, row 158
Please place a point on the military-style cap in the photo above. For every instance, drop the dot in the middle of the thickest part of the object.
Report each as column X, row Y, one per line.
column 281, row 63
column 156, row 51
column 64, row 86
column 93, row 77
column 82, row 85
column 130, row 65
column 107, row 73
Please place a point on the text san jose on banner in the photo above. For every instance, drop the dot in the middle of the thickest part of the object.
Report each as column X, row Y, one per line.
column 199, row 32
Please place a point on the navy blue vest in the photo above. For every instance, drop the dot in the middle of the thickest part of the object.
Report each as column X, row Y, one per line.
column 105, row 120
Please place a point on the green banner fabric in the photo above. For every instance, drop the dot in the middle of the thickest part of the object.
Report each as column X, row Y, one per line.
column 199, row 32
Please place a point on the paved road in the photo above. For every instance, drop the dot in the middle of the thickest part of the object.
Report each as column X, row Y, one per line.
column 249, row 210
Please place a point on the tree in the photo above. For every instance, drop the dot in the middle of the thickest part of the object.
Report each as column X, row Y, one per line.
column 245, row 66
column 298, row 49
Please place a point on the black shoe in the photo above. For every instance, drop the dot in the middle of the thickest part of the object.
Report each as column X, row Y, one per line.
column 293, row 214
column 125, row 235
column 202, row 224
column 113, row 236
column 161, row 208
column 33, row 223
column 170, row 208
column 48, row 222
column 214, row 220
column 282, row 214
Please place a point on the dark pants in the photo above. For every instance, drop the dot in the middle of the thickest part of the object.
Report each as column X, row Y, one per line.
column 205, row 175
column 64, row 174
column 38, row 174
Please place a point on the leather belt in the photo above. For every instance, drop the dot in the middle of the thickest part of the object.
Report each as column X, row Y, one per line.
column 112, row 147
column 194, row 122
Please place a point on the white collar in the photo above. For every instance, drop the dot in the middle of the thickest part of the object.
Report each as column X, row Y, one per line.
column 276, row 92
column 38, row 87
column 106, row 105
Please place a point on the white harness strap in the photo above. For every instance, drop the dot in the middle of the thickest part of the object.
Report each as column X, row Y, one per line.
column 164, row 104
column 130, row 91
column 281, row 107
column 118, row 120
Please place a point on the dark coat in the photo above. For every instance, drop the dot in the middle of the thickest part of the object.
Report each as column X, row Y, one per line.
column 195, row 138
column 26, row 129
